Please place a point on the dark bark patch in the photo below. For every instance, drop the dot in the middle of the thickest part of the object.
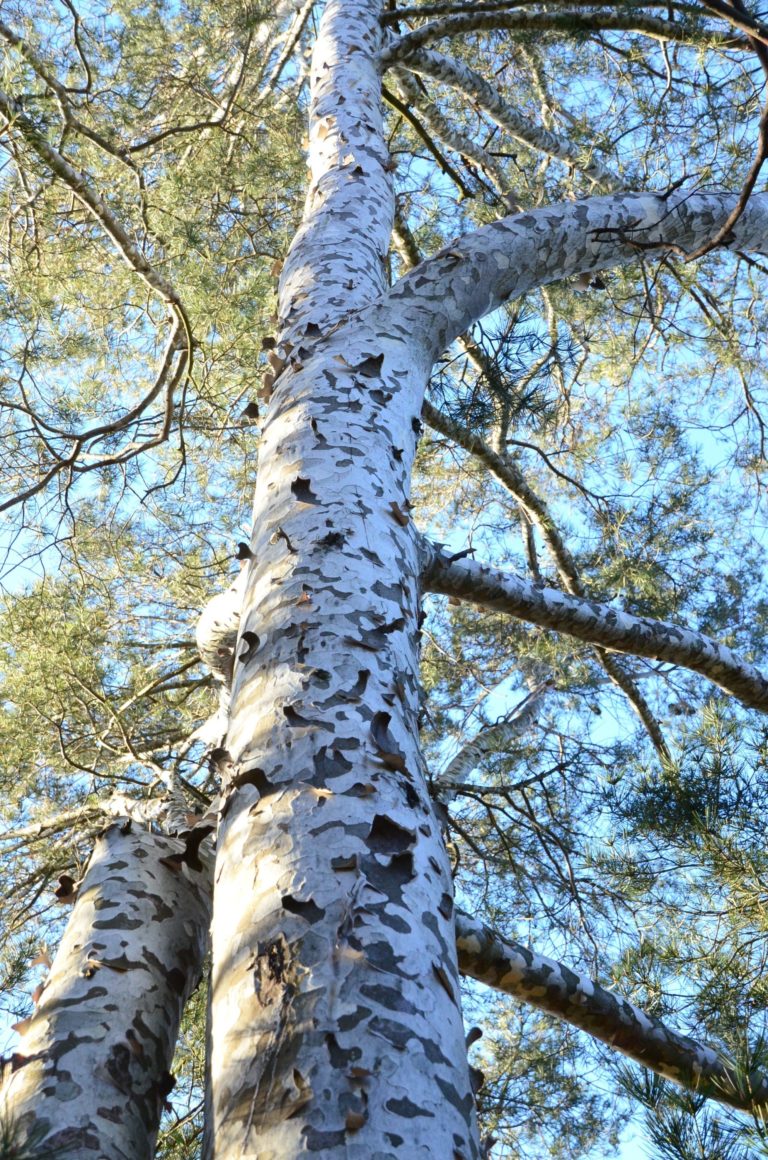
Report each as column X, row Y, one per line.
column 390, row 879
column 464, row 1104
column 295, row 719
column 406, row 1108
column 387, row 747
column 381, row 955
column 250, row 643
column 329, row 765
column 392, row 592
column 348, row 862
column 354, row 1018
column 318, row 1141
column 332, row 540
column 443, row 978
column 176, row 980
column 303, row 492
column 270, row 972
column 306, row 909
column 388, row 837
column 340, row 1057
column 370, row 367
column 362, row 789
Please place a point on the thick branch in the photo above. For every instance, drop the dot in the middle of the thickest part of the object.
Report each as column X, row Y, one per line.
column 574, row 21
column 448, row 293
column 488, row 957
column 599, row 624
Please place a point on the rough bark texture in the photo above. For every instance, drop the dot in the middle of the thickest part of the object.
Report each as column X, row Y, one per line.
column 92, row 1070
column 336, row 1020
column 600, row 624
column 486, row 956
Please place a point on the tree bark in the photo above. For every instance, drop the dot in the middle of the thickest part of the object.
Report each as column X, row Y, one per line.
column 92, row 1072
column 600, row 624
column 335, row 1009
column 532, row 978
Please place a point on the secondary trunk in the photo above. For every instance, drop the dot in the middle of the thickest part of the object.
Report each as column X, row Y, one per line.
column 336, row 1019
column 92, row 1070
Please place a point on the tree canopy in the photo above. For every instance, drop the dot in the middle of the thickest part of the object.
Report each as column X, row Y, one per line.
column 592, row 462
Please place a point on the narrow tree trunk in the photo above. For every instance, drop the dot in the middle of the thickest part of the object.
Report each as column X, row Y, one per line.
column 92, row 1072
column 336, row 1019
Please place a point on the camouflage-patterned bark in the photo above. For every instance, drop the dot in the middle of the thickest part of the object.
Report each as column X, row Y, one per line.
column 336, row 1020
column 486, row 956
column 600, row 624
column 91, row 1073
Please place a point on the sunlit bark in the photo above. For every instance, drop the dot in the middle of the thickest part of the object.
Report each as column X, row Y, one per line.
column 335, row 1010
column 92, row 1071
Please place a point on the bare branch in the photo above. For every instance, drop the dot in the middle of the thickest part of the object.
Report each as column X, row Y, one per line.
column 460, row 76
column 446, row 294
column 574, row 21
column 507, row 966
column 599, row 624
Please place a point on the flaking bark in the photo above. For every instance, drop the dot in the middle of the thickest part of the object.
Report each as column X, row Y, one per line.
column 92, row 1071
column 335, row 1008
column 599, row 624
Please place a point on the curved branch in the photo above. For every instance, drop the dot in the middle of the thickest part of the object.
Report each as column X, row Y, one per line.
column 599, row 624
column 475, row 274
column 574, row 998
column 573, row 21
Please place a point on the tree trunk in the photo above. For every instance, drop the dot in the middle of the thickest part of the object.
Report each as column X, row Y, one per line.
column 92, row 1073
column 336, row 1020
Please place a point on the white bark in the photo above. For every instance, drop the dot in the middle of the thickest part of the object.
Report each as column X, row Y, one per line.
column 472, row 85
column 576, row 999
column 335, row 1008
column 495, row 738
column 92, row 1071
column 571, row 21
column 599, row 624
column 445, row 295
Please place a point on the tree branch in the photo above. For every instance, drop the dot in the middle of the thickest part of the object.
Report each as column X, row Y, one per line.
column 533, row 509
column 446, row 294
column 599, row 624
column 573, row 21
column 518, row 971
column 460, row 76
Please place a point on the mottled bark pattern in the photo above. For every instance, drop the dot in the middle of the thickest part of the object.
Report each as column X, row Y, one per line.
column 336, row 1022
column 444, row 295
column 91, row 1073
column 486, row 956
column 599, row 624
column 460, row 76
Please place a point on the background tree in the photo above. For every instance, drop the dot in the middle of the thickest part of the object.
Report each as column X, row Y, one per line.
column 598, row 433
